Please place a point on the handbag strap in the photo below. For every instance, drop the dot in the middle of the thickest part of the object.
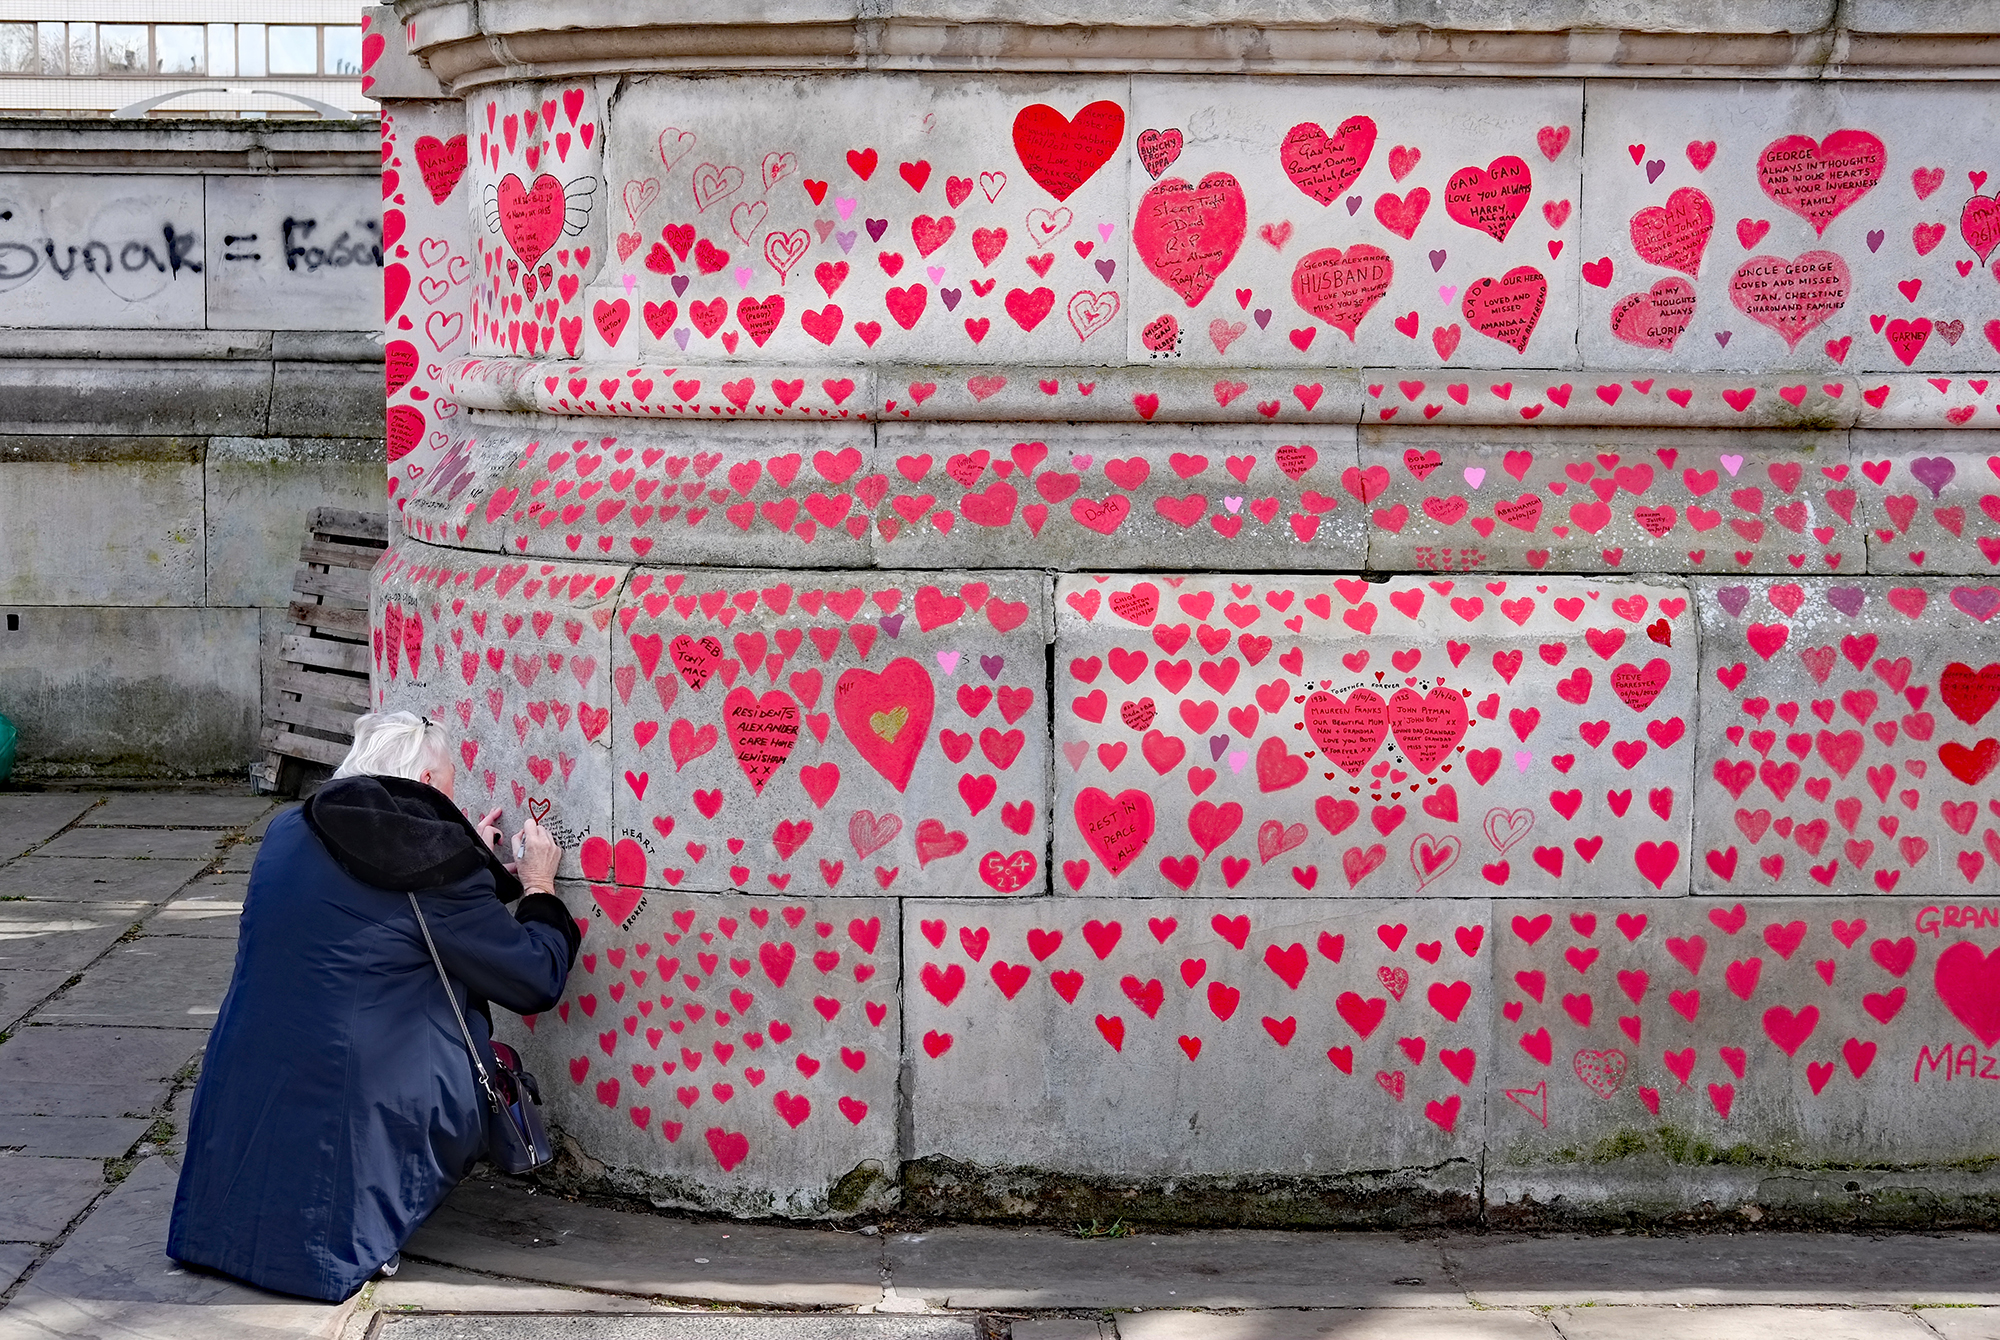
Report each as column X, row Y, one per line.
column 472, row 1048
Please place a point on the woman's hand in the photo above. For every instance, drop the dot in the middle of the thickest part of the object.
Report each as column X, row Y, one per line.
column 489, row 830
column 539, row 857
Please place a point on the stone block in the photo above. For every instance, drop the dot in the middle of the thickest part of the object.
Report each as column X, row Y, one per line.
column 1844, row 745
column 42, row 1195
column 27, row 820
column 1384, row 1323
column 420, row 1287
column 170, row 690
column 42, row 1054
column 1443, row 255
column 15, row 1258
column 1819, row 1323
column 261, row 493
column 542, row 215
column 778, row 495
column 178, row 810
column 112, row 249
column 84, row 880
column 1957, row 1323
column 134, row 396
column 211, row 906
column 60, row 937
column 1768, row 233
column 1649, row 1045
column 339, row 400
column 983, row 224
column 852, row 733
column 973, row 1266
column 1282, row 769
column 1129, row 393
column 173, row 844
column 426, row 147
column 516, row 658
column 1170, row 496
column 1116, row 1038
column 54, row 553
column 1933, row 503
column 394, row 74
column 21, row 989
column 71, row 1137
column 1598, row 500
column 158, row 981
column 294, row 252
column 684, row 1059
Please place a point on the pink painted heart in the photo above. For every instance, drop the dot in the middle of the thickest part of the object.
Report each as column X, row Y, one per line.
column 1116, row 827
column 887, row 715
column 1188, row 235
column 1350, row 732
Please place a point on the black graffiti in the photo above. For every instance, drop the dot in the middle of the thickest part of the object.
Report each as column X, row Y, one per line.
column 337, row 254
column 97, row 258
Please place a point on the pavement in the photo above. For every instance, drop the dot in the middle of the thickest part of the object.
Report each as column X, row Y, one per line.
column 117, row 931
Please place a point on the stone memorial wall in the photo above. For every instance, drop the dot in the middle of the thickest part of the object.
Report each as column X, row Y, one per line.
column 1196, row 645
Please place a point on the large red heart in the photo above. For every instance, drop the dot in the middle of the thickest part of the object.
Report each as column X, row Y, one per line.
column 1969, row 693
column 1187, row 235
column 1116, row 827
column 442, row 163
column 1324, row 165
column 531, row 217
column 1674, row 236
column 1339, row 287
column 1968, row 982
column 761, row 732
column 1507, row 308
column 1489, row 199
column 1816, row 181
column 1602, row 1072
column 1791, row 297
column 1348, row 733
column 1428, row 727
column 887, row 716
column 1062, row 153
column 1654, row 319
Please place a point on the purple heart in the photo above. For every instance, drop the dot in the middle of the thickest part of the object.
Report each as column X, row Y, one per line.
column 681, row 334
column 1263, row 317
column 891, row 624
column 1107, row 269
column 877, row 227
column 1733, row 599
column 1437, row 261
column 846, row 240
column 951, row 297
column 1847, row 599
column 1722, row 337
column 1875, row 236
column 1353, row 203
column 1934, row 472
column 1978, row 601
column 1654, row 167
column 680, row 285
column 991, row 665
column 1217, row 745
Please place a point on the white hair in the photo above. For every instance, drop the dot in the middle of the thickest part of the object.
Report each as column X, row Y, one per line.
column 396, row 744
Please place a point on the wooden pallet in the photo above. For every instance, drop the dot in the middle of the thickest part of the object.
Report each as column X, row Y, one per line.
column 321, row 684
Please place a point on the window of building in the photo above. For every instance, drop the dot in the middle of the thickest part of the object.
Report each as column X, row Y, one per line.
column 180, row 48
column 250, row 50
column 124, row 48
column 222, row 50
column 82, row 48
column 294, row 49
column 343, row 50
column 52, row 43
column 17, row 48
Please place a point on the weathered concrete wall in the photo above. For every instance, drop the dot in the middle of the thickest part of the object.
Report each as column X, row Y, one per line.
column 1374, row 650
column 188, row 367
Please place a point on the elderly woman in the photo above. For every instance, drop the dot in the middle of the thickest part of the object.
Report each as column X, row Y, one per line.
column 338, row 1105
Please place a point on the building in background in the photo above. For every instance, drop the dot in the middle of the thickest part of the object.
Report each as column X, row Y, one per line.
column 227, row 58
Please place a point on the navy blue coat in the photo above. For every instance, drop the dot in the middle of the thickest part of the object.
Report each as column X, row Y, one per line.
column 337, row 1106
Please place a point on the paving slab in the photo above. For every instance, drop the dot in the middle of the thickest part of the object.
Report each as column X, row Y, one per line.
column 21, row 989
column 501, row 1230
column 1734, row 1323
column 968, row 1267
column 112, row 1277
column 15, row 1258
column 58, row 1053
column 26, row 820
column 167, row 810
column 96, row 879
column 72, row 1137
column 39, row 1196
column 682, row 1326
column 1333, row 1324
column 212, row 906
column 255, row 832
column 1747, row 1269
column 1953, row 1323
column 197, row 843
column 158, row 981
column 238, row 857
column 1064, row 1328
column 424, row 1287
column 61, row 936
